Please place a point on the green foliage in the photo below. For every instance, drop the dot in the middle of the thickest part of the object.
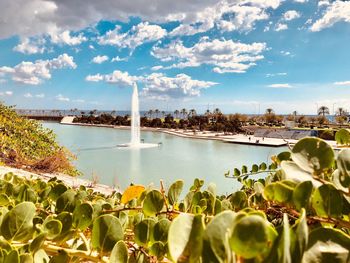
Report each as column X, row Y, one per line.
column 25, row 143
column 342, row 137
column 299, row 212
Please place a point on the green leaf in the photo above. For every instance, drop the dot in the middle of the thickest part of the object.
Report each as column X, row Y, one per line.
column 299, row 238
column 62, row 257
column 17, row 224
column 216, row 246
column 57, row 190
column 174, row 191
column 313, row 154
column 41, row 257
column 158, row 249
column 26, row 258
column 279, row 192
column 66, row 201
column 37, row 242
column 283, row 156
column 244, row 169
column 255, row 168
column 236, row 172
column 252, row 236
column 327, row 245
column 4, row 200
column 160, row 230
column 185, row 238
column 343, row 165
column 285, row 256
column 342, row 137
column 153, row 203
column 106, row 231
column 262, row 167
column 143, row 231
column 327, row 201
column 119, row 253
column 239, row 200
column 52, row 227
column 301, row 194
column 82, row 216
column 12, row 257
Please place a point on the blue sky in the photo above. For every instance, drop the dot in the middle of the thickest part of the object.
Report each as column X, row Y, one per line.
column 240, row 56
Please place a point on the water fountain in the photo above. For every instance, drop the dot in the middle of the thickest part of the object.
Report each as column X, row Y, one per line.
column 135, row 141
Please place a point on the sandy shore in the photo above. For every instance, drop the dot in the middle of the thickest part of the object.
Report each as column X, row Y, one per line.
column 208, row 135
column 66, row 179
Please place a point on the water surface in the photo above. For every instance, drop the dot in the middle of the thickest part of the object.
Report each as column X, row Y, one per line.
column 177, row 158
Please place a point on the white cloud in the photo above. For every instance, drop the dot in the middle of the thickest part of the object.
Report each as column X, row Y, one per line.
column 29, row 46
column 342, row 83
column 323, row 3
column 117, row 77
column 276, row 74
column 29, row 95
column 223, row 55
column 280, row 86
column 300, row 1
column 6, row 93
column 34, row 73
column 338, row 11
column 286, row 53
column 79, row 100
column 159, row 86
column 281, row 27
column 138, row 35
column 100, row 59
column 118, row 59
column 60, row 37
column 60, row 97
column 155, row 68
column 225, row 15
column 291, row 15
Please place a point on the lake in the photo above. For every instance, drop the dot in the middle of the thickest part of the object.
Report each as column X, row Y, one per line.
column 176, row 158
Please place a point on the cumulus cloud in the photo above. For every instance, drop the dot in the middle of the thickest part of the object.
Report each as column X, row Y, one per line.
column 136, row 36
column 100, row 59
column 118, row 59
column 6, row 93
column 337, row 11
column 291, row 15
column 223, row 55
column 40, row 16
column 60, row 97
column 225, row 15
column 159, row 86
column 342, row 83
column 34, row 73
column 30, row 46
column 60, row 37
column 280, row 86
column 29, row 95
column 117, row 77
column 281, row 27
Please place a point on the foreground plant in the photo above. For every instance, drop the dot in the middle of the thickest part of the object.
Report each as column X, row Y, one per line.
column 298, row 213
column 26, row 144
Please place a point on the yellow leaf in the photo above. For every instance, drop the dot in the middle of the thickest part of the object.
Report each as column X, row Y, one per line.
column 132, row 192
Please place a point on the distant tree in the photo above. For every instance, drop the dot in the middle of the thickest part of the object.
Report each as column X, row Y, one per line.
column 184, row 113
column 341, row 112
column 176, row 113
column 269, row 111
column 192, row 112
column 323, row 110
column 156, row 112
column 150, row 113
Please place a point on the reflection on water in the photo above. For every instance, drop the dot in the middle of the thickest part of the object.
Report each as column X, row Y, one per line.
column 177, row 158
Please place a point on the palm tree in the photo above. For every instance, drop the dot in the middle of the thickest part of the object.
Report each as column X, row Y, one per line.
column 156, row 111
column 192, row 112
column 323, row 110
column 163, row 114
column 184, row 113
column 269, row 111
column 150, row 113
column 176, row 113
column 341, row 112
column 295, row 113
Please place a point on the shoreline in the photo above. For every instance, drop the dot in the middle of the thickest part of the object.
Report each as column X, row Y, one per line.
column 209, row 135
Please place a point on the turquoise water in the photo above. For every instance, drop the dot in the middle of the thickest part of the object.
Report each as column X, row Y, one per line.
column 177, row 158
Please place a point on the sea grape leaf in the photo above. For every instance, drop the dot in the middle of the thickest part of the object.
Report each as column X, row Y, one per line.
column 174, row 191
column 327, row 201
column 216, row 246
column 301, row 194
column 239, row 200
column 327, row 245
column 106, row 231
column 119, row 253
column 158, row 249
column 252, row 236
column 160, row 230
column 17, row 224
column 12, row 257
column 299, row 237
column 343, row 165
column 185, row 238
column 133, row 191
column 66, row 201
column 143, row 231
column 313, row 154
column 82, row 216
column 153, row 203
column 52, row 227
column 342, row 137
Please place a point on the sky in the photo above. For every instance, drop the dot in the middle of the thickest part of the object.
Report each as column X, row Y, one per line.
column 235, row 55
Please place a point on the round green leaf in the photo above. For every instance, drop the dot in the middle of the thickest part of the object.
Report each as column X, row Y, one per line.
column 119, row 253
column 158, row 249
column 37, row 242
column 313, row 154
column 82, row 216
column 239, row 200
column 52, row 228
column 57, row 190
column 4, row 200
column 17, row 224
column 106, row 231
column 342, row 137
column 185, row 238
column 153, row 203
column 301, row 194
column 343, row 164
column 66, row 201
column 174, row 191
column 12, row 257
column 143, row 231
column 327, row 201
column 160, row 230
